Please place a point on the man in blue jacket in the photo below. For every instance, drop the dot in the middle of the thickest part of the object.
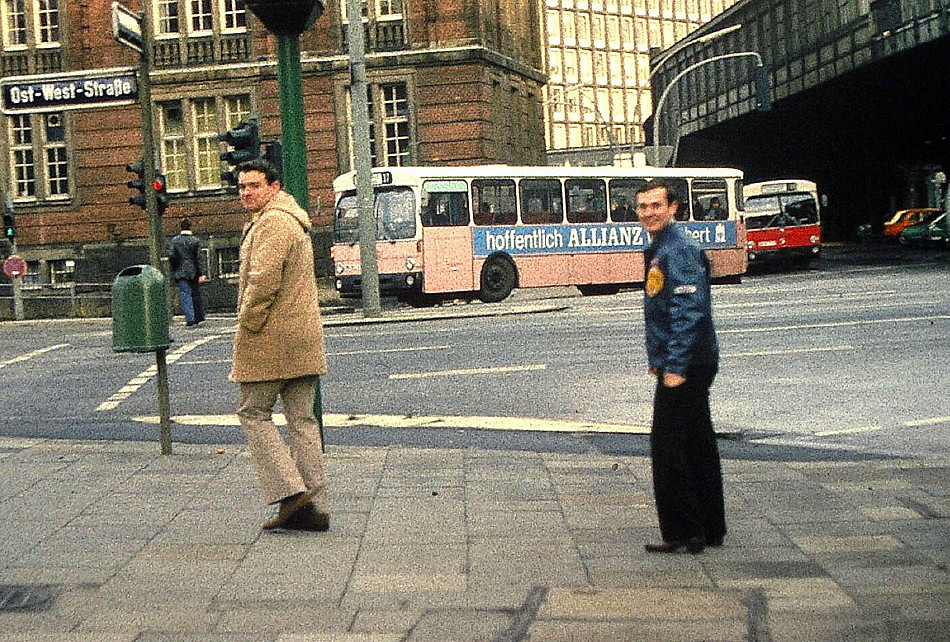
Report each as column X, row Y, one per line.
column 683, row 354
column 183, row 254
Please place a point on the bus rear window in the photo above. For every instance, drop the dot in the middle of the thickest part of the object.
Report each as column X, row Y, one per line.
column 710, row 200
column 444, row 203
column 494, row 202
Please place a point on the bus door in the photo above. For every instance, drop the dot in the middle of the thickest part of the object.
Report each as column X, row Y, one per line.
column 446, row 237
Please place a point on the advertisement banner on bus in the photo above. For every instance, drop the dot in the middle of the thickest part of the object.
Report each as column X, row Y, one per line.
column 574, row 239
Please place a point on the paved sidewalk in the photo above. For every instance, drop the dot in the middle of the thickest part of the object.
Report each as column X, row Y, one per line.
column 112, row 542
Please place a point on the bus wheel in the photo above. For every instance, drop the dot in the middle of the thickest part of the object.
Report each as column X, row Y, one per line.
column 498, row 279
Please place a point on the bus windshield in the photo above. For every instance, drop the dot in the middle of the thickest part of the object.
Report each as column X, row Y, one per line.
column 794, row 209
column 394, row 211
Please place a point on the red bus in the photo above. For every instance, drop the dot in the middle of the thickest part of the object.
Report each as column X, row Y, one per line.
column 486, row 230
column 783, row 220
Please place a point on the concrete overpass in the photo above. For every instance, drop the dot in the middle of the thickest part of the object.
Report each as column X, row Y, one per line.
column 861, row 100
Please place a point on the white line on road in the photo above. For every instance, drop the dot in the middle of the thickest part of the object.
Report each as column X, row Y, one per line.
column 841, row 324
column 933, row 421
column 848, row 431
column 769, row 353
column 338, row 420
column 470, row 371
column 387, row 350
column 143, row 377
column 30, row 355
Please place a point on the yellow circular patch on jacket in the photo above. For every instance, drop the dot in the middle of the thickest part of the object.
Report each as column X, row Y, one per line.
column 654, row 284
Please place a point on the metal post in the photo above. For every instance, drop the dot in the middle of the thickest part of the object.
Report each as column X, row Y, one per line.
column 294, row 145
column 165, row 427
column 156, row 231
column 361, row 155
column 290, row 84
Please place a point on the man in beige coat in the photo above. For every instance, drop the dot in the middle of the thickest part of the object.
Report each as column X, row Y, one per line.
column 278, row 350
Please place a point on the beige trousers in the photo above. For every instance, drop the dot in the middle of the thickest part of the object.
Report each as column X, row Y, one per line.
column 284, row 469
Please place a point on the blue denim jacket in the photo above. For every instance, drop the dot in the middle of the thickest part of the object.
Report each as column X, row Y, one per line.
column 677, row 308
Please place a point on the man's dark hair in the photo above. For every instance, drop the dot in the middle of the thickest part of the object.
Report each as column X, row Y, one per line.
column 260, row 165
column 657, row 183
column 185, row 224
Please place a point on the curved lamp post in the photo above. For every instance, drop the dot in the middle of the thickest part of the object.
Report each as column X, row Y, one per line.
column 761, row 85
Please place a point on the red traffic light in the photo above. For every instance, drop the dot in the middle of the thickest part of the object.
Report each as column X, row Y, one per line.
column 158, row 185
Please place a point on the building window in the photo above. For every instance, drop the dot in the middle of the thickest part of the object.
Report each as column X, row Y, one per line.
column 228, row 262
column 388, row 108
column 62, row 271
column 18, row 16
column 198, row 16
column 39, row 136
column 383, row 21
column 190, row 149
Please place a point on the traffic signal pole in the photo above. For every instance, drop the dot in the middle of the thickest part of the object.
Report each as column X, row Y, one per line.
column 156, row 231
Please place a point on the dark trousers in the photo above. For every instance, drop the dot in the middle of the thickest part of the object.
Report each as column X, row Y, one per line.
column 687, row 475
column 192, row 306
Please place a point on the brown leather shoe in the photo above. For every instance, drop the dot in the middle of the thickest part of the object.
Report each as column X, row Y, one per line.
column 693, row 545
column 308, row 518
column 288, row 506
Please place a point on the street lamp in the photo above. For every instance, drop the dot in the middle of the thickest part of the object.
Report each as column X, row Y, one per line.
column 611, row 138
column 761, row 85
column 683, row 44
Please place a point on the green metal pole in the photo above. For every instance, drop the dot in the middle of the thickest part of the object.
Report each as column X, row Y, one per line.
column 291, row 118
column 290, row 84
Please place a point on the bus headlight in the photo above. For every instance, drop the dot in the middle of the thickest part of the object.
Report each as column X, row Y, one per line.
column 814, row 240
column 750, row 245
column 339, row 285
column 339, row 268
column 410, row 263
column 410, row 280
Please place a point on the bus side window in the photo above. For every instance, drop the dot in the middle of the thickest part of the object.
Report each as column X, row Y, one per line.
column 444, row 203
column 541, row 202
column 586, row 200
column 623, row 199
column 494, row 202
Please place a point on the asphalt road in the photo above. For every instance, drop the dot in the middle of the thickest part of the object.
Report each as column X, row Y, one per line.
column 847, row 357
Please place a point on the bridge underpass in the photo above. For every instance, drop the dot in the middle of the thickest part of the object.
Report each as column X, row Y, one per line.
column 870, row 138
column 861, row 100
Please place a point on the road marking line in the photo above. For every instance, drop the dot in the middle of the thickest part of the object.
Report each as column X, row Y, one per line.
column 143, row 377
column 470, row 371
column 769, row 353
column 933, row 421
column 30, row 355
column 515, row 424
column 848, row 431
column 388, row 350
column 842, row 324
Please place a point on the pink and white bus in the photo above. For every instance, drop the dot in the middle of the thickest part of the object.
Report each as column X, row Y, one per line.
column 485, row 230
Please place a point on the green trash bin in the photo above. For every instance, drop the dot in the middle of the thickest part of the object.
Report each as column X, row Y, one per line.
column 139, row 310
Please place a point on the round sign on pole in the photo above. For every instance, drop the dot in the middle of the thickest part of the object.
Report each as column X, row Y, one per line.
column 14, row 267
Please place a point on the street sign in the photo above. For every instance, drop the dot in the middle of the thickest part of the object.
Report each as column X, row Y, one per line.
column 71, row 90
column 127, row 27
column 14, row 267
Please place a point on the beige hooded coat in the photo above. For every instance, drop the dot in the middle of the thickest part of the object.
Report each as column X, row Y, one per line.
column 279, row 334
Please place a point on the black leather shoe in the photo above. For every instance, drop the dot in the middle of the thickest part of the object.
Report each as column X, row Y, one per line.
column 308, row 518
column 288, row 506
column 693, row 545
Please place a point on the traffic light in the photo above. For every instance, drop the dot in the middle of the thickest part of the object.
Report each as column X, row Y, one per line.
column 246, row 145
column 137, row 183
column 9, row 225
column 161, row 191
column 274, row 154
column 160, row 185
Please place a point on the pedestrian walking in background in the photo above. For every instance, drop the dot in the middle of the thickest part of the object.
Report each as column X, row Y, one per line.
column 278, row 350
column 184, row 256
column 683, row 354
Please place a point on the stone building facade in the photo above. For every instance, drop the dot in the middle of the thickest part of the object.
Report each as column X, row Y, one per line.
column 450, row 82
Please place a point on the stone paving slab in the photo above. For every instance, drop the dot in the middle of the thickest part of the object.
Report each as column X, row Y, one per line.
column 441, row 545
